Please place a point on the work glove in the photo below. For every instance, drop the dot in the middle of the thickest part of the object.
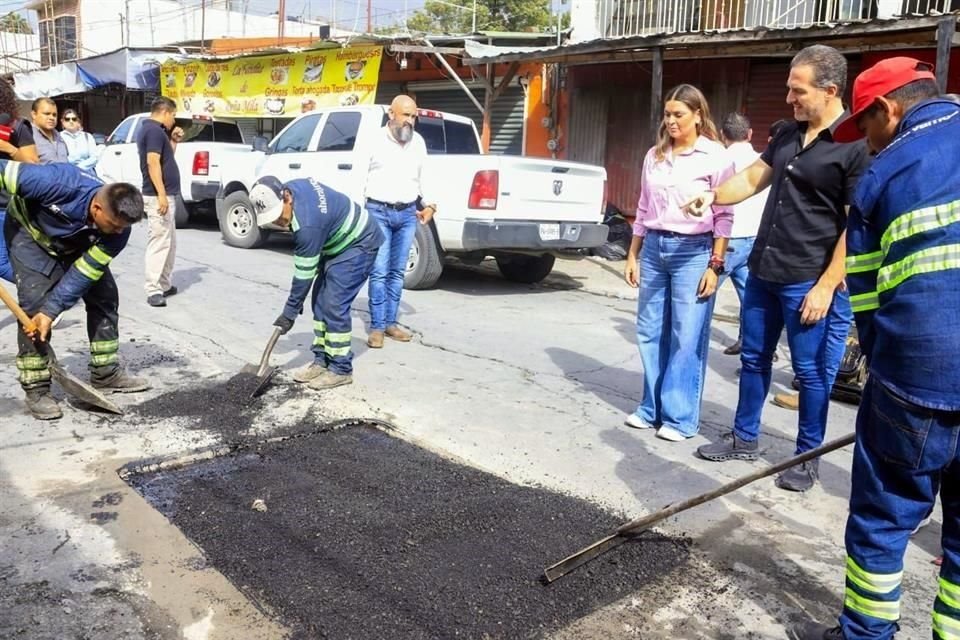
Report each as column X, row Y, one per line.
column 284, row 323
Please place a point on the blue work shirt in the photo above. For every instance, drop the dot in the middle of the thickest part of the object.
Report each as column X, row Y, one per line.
column 903, row 258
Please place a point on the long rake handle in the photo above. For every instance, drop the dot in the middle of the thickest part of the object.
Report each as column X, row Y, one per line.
column 733, row 485
column 28, row 325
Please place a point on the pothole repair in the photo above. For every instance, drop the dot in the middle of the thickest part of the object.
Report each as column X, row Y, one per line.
column 355, row 533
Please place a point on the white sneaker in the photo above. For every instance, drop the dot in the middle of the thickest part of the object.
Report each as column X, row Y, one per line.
column 671, row 434
column 635, row 421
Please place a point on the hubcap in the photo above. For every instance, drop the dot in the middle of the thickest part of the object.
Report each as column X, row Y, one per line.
column 240, row 220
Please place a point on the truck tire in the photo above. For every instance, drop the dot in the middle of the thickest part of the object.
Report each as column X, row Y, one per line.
column 238, row 224
column 425, row 263
column 525, row 269
column 182, row 216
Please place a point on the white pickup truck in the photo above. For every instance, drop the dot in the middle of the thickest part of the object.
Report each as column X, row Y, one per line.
column 519, row 210
column 206, row 145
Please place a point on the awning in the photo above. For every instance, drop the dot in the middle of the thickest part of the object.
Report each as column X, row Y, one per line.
column 133, row 68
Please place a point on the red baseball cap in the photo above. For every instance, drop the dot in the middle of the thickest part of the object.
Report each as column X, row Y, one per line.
column 879, row 80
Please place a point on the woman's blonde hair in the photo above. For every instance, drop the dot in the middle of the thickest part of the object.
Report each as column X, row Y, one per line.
column 696, row 102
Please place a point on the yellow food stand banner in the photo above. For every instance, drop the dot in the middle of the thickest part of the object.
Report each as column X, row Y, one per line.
column 274, row 86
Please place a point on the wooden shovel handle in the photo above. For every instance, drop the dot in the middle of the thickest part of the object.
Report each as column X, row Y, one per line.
column 28, row 325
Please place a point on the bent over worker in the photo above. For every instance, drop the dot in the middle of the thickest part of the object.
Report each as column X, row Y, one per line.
column 336, row 245
column 63, row 228
column 903, row 270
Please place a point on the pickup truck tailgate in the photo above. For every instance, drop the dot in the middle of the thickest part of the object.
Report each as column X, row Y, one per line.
column 531, row 188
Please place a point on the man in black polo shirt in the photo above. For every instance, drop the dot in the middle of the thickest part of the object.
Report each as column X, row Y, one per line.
column 797, row 262
column 156, row 142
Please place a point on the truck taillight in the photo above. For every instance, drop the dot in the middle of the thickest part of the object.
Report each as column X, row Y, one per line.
column 201, row 163
column 603, row 206
column 484, row 190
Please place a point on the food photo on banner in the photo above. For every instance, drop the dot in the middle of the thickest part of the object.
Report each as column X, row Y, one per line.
column 278, row 85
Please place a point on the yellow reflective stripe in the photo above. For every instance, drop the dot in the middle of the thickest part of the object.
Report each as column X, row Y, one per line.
column 881, row 609
column 31, row 377
column 99, row 255
column 945, row 627
column 920, row 221
column 335, row 245
column 865, row 262
column 31, row 363
column 319, row 341
column 304, row 262
column 84, row 268
column 338, row 351
column 305, row 274
column 949, row 593
column 102, row 359
column 926, row 261
column 339, row 337
column 319, row 325
column 865, row 301
column 10, row 177
column 874, row 582
column 104, row 346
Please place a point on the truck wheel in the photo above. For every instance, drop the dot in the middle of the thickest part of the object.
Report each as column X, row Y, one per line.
column 525, row 269
column 182, row 216
column 424, row 263
column 238, row 224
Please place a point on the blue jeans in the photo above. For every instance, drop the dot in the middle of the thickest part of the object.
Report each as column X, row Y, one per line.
column 6, row 269
column 673, row 329
column 334, row 291
column 386, row 281
column 816, row 351
column 738, row 253
column 904, row 456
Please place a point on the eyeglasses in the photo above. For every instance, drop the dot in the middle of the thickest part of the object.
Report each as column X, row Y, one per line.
column 71, row 118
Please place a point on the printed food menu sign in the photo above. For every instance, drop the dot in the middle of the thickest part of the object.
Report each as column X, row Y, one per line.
column 274, row 86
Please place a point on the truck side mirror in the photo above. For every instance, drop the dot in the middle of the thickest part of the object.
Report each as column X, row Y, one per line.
column 260, row 143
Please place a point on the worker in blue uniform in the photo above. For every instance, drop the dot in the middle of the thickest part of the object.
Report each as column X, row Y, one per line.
column 336, row 245
column 63, row 228
column 903, row 271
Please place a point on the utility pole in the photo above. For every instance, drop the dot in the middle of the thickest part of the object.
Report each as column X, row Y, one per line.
column 203, row 24
column 281, row 18
column 127, row 9
column 369, row 16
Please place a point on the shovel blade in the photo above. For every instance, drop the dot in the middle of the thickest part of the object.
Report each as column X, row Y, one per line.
column 80, row 390
column 263, row 381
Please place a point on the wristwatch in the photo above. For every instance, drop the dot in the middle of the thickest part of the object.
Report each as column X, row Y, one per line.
column 716, row 265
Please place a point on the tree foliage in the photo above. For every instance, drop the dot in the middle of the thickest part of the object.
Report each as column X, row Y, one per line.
column 15, row 23
column 492, row 15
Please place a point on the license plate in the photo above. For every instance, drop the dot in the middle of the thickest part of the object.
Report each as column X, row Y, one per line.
column 550, row 232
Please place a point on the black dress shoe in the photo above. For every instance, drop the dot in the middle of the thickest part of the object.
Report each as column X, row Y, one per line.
column 156, row 300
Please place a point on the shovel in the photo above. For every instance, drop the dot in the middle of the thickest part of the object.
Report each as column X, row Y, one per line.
column 628, row 531
column 70, row 384
column 264, row 372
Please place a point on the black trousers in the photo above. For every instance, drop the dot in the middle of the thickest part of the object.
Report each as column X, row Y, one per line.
column 37, row 273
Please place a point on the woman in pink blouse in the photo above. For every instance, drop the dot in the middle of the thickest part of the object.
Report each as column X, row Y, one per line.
column 676, row 260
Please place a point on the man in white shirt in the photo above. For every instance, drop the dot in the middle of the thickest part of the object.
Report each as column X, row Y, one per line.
column 394, row 197
column 736, row 134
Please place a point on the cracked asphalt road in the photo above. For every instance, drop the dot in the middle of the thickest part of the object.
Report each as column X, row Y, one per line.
column 530, row 383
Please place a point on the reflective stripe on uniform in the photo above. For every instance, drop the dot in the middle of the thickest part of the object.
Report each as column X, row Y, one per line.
column 104, row 346
column 319, row 341
column 881, row 609
column 864, row 262
column 949, row 594
column 305, row 268
column 926, row 261
column 319, row 326
column 945, row 627
column 338, row 344
column 84, row 267
column 920, row 221
column 103, row 359
column 32, row 369
column 879, row 583
column 10, row 177
column 348, row 232
column 100, row 256
column 865, row 302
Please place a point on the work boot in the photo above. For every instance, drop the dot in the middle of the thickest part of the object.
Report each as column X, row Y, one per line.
column 41, row 404
column 309, row 373
column 328, row 380
column 730, row 447
column 398, row 334
column 172, row 291
column 801, row 477
column 375, row 340
column 787, row 401
column 733, row 349
column 156, row 300
column 815, row 631
column 121, row 382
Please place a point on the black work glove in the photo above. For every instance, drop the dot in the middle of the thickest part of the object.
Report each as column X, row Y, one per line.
column 284, row 323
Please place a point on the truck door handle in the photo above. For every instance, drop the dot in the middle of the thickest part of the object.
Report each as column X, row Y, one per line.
column 294, row 165
column 345, row 166
column 117, row 153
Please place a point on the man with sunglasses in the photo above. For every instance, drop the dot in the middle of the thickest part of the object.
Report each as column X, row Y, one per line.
column 81, row 147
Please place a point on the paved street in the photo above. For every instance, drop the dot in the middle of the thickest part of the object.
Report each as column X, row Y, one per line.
column 528, row 382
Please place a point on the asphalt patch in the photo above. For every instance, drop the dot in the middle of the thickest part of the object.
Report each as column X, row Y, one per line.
column 354, row 533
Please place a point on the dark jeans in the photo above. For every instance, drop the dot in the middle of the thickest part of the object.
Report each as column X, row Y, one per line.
column 815, row 350
column 334, row 291
column 37, row 273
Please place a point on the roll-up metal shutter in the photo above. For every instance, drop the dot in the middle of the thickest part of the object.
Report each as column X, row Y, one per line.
column 589, row 109
column 387, row 91
column 506, row 121
column 249, row 128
